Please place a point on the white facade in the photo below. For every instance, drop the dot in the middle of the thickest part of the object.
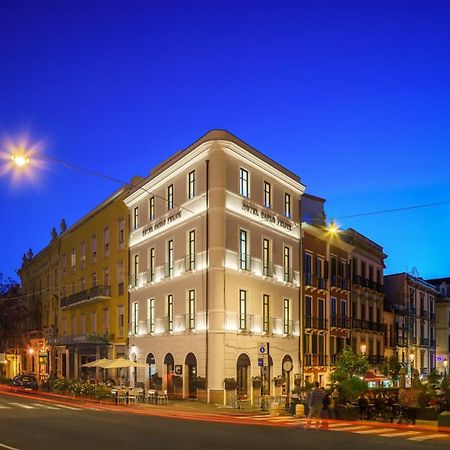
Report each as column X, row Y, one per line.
column 214, row 264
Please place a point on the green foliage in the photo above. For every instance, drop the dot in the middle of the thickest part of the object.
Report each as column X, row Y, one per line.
column 445, row 388
column 352, row 364
column 80, row 388
column 391, row 368
column 351, row 388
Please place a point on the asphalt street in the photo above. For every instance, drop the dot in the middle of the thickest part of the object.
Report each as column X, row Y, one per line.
column 32, row 423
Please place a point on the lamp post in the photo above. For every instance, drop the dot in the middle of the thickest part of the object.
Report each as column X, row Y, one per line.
column 363, row 349
column 411, row 365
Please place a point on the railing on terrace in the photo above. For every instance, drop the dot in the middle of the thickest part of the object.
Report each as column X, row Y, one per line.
column 341, row 322
column 92, row 294
column 318, row 323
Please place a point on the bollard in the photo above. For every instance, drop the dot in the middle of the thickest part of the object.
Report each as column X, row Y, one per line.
column 299, row 410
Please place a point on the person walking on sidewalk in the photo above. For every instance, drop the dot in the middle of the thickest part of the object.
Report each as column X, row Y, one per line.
column 315, row 404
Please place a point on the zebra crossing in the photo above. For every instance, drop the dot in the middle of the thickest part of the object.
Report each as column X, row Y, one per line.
column 37, row 406
column 349, row 427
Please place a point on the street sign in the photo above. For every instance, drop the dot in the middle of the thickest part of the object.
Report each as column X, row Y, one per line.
column 263, row 348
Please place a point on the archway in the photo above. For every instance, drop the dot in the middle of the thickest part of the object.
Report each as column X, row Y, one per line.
column 150, row 361
column 243, row 373
column 191, row 366
column 170, row 365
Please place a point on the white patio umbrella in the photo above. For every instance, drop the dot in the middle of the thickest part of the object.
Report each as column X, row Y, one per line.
column 121, row 363
column 98, row 363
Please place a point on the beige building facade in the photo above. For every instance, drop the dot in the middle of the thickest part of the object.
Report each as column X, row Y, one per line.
column 215, row 269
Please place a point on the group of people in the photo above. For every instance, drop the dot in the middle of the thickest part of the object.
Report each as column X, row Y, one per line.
column 383, row 406
column 321, row 404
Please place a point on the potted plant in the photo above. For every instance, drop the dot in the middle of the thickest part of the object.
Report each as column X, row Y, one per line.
column 257, row 382
column 279, row 380
column 230, row 383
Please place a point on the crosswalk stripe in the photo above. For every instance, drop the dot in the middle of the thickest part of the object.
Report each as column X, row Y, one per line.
column 351, row 428
column 375, row 430
column 402, row 434
column 22, row 405
column 335, row 425
column 41, row 405
column 5, row 407
column 69, row 407
column 428, row 436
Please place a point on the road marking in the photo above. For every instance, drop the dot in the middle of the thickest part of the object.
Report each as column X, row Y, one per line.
column 375, row 430
column 69, row 407
column 402, row 434
column 5, row 407
column 22, row 405
column 351, row 428
column 42, row 405
column 8, row 447
column 334, row 425
column 428, row 436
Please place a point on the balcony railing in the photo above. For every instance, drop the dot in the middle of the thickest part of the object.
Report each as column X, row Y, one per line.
column 82, row 339
column 245, row 262
column 341, row 322
column 357, row 280
column 376, row 359
column 95, row 293
column 245, row 322
column 267, row 269
column 424, row 314
column 169, row 269
column 339, row 282
column 308, row 279
column 318, row 323
column 315, row 359
column 380, row 287
column 322, row 283
column 288, row 275
column 424, row 341
column 366, row 282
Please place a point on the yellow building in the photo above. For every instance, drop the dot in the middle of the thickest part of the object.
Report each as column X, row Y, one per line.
column 93, row 273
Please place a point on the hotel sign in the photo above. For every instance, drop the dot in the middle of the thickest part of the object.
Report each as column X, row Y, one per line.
column 267, row 216
column 161, row 224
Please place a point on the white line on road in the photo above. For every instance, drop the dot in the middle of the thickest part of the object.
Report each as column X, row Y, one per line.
column 69, row 407
column 334, row 425
column 428, row 436
column 5, row 407
column 42, row 405
column 8, row 447
column 351, row 428
column 375, row 430
column 402, row 434
column 22, row 405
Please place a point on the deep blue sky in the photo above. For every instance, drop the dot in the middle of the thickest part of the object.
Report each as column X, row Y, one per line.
column 353, row 96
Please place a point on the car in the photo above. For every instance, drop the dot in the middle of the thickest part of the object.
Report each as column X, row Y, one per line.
column 23, row 382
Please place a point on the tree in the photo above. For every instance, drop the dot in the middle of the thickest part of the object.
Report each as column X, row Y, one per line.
column 352, row 364
column 391, row 368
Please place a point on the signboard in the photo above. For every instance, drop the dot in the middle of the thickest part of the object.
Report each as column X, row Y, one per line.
column 263, row 354
column 178, row 369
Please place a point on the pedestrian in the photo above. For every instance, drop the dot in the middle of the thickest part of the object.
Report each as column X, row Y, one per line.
column 315, row 404
column 363, row 403
column 326, row 407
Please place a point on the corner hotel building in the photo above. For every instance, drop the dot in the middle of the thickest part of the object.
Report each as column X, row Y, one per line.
column 215, row 267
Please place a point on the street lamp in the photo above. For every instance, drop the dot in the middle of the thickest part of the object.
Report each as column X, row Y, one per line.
column 363, row 349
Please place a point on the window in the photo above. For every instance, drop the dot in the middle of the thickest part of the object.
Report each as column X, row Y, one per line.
column 105, row 276
column 267, row 263
column 135, row 273
column 243, row 183
column 170, row 312
column 136, row 218
column 82, row 283
column 308, row 269
column 120, row 320
column 266, row 314
column 151, row 209
column 287, row 316
column 106, row 321
column 94, row 279
column 191, row 184
column 151, row 265
column 244, row 260
column 73, row 325
column 134, row 317
column 151, row 315
column 83, row 323
column 93, row 322
column 308, row 311
column 287, row 264
column 73, row 259
column 94, row 248
column 170, row 197
column 242, row 310
column 83, row 254
column 321, row 313
column 191, row 310
column 169, row 264
column 287, row 205
column 343, row 308
column 191, row 251
column 333, row 307
column 121, row 233
column 120, row 278
column 267, row 195
column 106, row 242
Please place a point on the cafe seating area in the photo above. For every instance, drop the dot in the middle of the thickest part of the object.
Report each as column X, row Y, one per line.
column 133, row 395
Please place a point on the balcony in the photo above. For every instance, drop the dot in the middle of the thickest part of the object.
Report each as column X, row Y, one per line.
column 309, row 279
column 168, row 269
column 288, row 275
column 375, row 359
column 380, row 288
column 424, row 314
column 246, row 322
column 333, row 359
column 317, row 323
column 341, row 322
column 366, row 282
column 424, row 341
column 340, row 283
column 402, row 341
column 95, row 293
column 268, row 269
column 357, row 280
column 93, row 339
column 315, row 359
column 322, row 283
column 245, row 262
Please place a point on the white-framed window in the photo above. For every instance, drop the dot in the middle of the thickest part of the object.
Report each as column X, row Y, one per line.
column 151, row 265
column 287, row 327
column 191, row 184
column 287, row 271
column 120, row 278
column 170, row 197
column 136, row 218
column 244, row 258
column 242, row 309
column 121, row 228
column 134, row 318
column 267, row 195
column 287, row 205
column 170, row 259
column 106, row 241
column 170, row 312
column 73, row 259
column 190, row 263
column 244, row 183
column 151, row 208
column 135, row 273
column 267, row 258
column 151, row 315
column 191, row 309
column 266, row 313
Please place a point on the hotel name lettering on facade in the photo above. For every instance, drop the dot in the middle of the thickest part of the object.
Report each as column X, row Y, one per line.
column 161, row 223
column 272, row 218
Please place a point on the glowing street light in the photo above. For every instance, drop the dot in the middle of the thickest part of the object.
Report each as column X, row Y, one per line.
column 333, row 228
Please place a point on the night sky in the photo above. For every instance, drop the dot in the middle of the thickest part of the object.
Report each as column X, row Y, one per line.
column 353, row 96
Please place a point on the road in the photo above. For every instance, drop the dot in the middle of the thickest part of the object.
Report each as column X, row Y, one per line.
column 33, row 423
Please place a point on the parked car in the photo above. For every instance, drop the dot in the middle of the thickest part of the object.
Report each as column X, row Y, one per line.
column 24, row 382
